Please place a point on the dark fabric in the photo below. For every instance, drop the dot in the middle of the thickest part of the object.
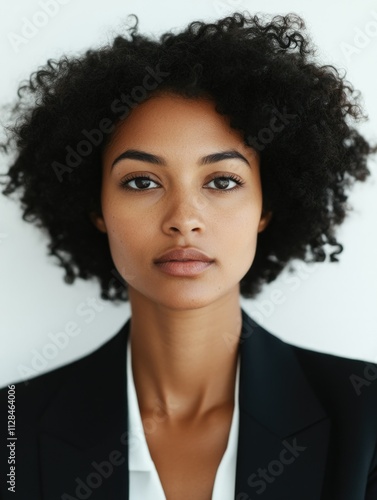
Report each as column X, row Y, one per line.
column 308, row 425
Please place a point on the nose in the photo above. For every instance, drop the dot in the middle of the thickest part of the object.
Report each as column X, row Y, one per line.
column 184, row 214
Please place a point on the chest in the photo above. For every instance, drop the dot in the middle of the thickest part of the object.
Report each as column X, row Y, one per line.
column 187, row 457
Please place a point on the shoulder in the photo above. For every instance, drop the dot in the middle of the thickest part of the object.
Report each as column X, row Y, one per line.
column 326, row 372
column 346, row 387
column 347, row 390
column 340, row 383
column 33, row 394
column 354, row 376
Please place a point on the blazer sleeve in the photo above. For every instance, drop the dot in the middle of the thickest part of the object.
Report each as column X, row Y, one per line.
column 371, row 492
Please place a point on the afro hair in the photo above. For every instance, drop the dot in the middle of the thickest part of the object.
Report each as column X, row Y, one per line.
column 260, row 71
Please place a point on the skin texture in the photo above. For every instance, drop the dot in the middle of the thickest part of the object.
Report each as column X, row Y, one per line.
column 184, row 330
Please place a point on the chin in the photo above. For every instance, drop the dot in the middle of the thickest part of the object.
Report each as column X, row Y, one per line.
column 186, row 302
column 185, row 297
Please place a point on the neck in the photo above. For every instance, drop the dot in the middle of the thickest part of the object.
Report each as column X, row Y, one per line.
column 184, row 361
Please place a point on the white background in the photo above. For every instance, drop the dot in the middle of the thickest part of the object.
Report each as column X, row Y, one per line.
column 332, row 307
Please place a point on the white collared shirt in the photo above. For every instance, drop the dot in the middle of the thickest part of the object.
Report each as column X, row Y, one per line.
column 143, row 476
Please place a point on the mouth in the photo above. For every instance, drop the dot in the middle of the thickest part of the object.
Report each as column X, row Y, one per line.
column 185, row 261
column 184, row 267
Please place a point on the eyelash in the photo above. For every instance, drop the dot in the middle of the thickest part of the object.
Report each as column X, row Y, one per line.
column 124, row 183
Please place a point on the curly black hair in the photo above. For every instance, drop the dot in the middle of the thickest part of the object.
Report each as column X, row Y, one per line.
column 261, row 73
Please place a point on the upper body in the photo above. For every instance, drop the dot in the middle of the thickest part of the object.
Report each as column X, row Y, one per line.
column 307, row 424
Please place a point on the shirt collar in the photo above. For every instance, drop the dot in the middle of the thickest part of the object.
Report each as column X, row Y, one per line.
column 139, row 456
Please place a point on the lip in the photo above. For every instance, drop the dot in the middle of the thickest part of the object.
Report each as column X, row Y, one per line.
column 183, row 268
column 183, row 254
column 181, row 261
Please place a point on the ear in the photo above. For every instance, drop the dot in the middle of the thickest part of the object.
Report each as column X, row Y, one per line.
column 264, row 220
column 98, row 221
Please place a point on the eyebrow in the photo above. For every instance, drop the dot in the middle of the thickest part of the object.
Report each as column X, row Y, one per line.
column 136, row 154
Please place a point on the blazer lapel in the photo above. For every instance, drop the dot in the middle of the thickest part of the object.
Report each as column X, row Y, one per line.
column 283, row 431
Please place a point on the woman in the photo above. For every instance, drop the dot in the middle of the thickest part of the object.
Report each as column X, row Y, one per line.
column 181, row 173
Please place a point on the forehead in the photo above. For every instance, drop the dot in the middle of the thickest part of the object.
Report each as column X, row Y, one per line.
column 169, row 120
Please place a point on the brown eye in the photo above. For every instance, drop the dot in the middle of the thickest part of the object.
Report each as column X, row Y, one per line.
column 141, row 183
column 222, row 182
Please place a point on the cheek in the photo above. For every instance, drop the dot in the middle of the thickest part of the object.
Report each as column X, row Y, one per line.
column 125, row 248
column 124, row 237
column 240, row 236
column 121, row 225
column 243, row 223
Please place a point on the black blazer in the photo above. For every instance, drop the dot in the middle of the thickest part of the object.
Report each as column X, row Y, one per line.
column 308, row 425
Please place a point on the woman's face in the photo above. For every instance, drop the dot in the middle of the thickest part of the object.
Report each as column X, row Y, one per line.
column 181, row 204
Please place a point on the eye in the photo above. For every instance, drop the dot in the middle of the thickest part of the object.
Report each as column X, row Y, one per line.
column 141, row 182
column 223, row 182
